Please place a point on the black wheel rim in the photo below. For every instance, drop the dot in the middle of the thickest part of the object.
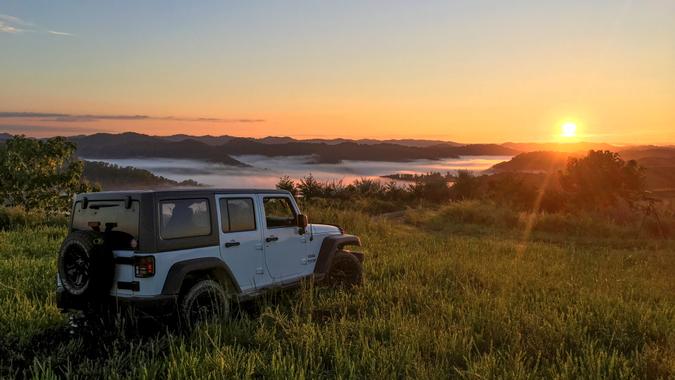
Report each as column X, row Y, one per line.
column 76, row 267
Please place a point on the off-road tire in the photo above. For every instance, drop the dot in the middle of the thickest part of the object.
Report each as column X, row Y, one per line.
column 345, row 271
column 86, row 265
column 205, row 301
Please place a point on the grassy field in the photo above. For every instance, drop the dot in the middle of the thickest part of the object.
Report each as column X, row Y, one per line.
column 444, row 296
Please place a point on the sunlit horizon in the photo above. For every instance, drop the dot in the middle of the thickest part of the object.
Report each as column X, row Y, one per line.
column 466, row 71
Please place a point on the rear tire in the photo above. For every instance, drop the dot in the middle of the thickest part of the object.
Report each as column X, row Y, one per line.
column 86, row 265
column 345, row 270
column 206, row 301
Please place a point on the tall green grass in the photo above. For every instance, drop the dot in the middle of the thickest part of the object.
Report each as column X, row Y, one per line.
column 437, row 303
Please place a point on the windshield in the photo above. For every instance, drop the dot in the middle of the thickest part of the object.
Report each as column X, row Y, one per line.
column 118, row 223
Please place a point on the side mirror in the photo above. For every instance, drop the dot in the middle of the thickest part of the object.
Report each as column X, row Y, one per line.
column 302, row 221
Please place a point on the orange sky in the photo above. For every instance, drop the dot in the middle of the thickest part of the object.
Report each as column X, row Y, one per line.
column 469, row 71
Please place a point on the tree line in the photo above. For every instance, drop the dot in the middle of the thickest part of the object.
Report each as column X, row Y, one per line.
column 598, row 181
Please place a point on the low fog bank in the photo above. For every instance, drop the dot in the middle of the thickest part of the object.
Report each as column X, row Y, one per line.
column 265, row 171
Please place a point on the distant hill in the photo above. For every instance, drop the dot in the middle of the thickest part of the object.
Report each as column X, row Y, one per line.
column 560, row 147
column 534, row 162
column 114, row 177
column 5, row 136
column 418, row 143
column 206, row 139
column 219, row 140
column 659, row 164
column 134, row 145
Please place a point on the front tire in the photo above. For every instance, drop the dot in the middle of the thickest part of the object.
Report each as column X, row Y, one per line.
column 206, row 301
column 345, row 270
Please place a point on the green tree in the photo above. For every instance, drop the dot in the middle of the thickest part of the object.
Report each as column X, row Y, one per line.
column 465, row 186
column 433, row 188
column 286, row 183
column 602, row 178
column 310, row 187
column 40, row 174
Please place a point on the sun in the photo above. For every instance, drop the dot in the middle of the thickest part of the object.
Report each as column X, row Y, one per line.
column 569, row 130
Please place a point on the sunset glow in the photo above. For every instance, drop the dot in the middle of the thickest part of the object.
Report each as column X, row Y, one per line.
column 569, row 130
column 468, row 71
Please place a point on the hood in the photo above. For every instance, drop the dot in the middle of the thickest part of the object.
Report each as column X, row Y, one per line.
column 324, row 229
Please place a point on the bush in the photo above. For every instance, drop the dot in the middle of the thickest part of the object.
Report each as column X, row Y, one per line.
column 309, row 187
column 286, row 183
column 465, row 186
column 15, row 217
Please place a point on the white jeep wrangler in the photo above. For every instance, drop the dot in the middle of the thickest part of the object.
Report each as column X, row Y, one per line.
column 195, row 251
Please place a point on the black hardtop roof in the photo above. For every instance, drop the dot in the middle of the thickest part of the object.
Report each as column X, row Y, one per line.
column 110, row 195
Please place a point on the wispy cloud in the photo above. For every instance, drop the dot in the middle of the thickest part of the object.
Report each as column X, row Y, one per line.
column 6, row 28
column 15, row 25
column 65, row 117
column 29, row 129
column 59, row 33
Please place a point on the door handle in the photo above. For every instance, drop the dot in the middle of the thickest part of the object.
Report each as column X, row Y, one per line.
column 271, row 238
column 232, row 244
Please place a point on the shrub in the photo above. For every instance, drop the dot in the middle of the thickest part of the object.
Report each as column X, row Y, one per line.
column 309, row 187
column 14, row 217
column 286, row 183
column 465, row 186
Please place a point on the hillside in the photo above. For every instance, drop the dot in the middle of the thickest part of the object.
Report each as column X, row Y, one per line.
column 659, row 164
column 114, row 177
column 219, row 140
column 560, row 147
column 134, row 145
column 445, row 296
column 533, row 162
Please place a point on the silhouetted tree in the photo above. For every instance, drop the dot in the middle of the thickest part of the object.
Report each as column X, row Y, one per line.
column 431, row 188
column 286, row 183
column 602, row 178
column 368, row 186
column 465, row 186
column 310, row 187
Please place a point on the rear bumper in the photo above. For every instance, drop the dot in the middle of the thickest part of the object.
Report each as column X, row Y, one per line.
column 156, row 305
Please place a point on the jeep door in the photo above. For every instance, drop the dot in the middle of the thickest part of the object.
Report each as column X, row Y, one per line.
column 285, row 247
column 241, row 240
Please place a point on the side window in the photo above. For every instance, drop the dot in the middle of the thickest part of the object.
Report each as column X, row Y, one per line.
column 237, row 214
column 279, row 212
column 182, row 218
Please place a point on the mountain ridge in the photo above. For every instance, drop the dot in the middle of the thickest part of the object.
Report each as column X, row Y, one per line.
column 136, row 145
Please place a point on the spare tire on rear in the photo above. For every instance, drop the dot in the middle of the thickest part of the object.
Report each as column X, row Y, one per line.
column 86, row 265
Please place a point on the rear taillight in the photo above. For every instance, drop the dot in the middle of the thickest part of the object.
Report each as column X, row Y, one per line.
column 144, row 266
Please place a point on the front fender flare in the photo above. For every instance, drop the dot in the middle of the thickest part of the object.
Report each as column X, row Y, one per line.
column 331, row 245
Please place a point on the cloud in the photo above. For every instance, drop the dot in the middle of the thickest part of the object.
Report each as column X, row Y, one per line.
column 32, row 129
column 59, row 33
column 14, row 20
column 14, row 25
column 6, row 28
column 64, row 117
